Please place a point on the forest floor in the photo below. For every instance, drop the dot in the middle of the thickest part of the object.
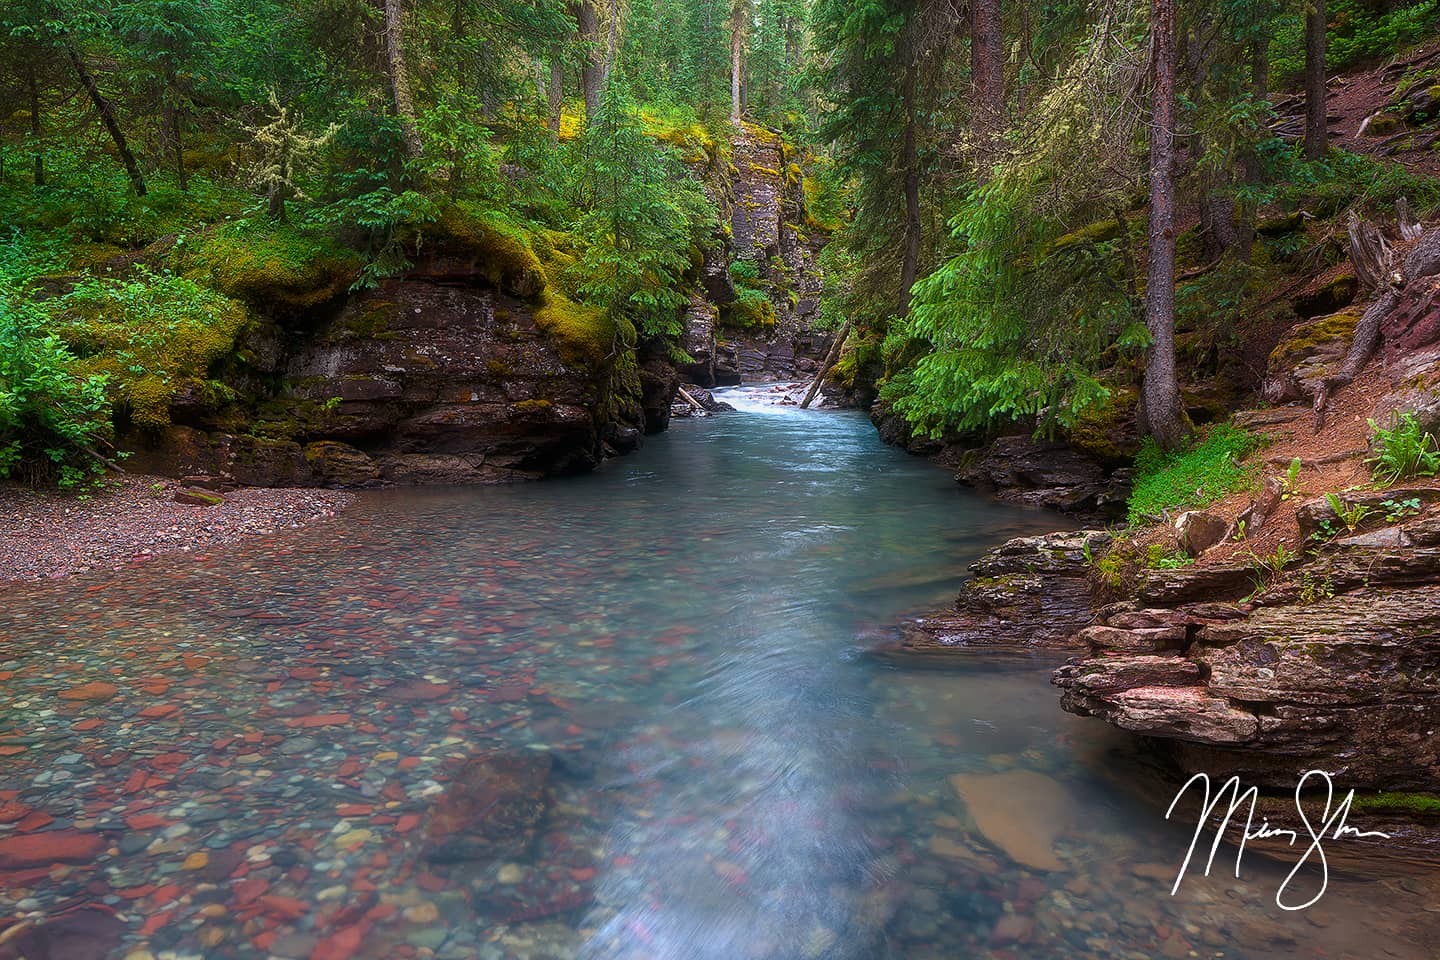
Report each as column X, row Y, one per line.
column 45, row 534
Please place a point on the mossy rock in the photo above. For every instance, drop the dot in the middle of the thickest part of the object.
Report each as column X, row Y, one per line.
column 1108, row 431
column 752, row 310
column 276, row 264
column 504, row 251
column 1304, row 342
column 585, row 335
column 1281, row 225
column 1384, row 125
column 1335, row 295
column 1421, row 804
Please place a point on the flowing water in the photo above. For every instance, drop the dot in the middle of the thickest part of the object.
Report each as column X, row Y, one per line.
column 621, row 716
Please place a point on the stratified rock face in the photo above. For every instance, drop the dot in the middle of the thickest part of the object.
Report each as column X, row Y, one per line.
column 416, row 382
column 1028, row 592
column 1269, row 690
column 769, row 229
column 1046, row 474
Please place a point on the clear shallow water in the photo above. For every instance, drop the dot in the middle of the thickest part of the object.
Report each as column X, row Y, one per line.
column 620, row 716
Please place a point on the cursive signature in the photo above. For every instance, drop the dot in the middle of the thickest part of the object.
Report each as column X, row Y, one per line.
column 1332, row 825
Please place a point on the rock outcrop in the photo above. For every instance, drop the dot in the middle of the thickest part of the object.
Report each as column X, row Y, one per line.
column 1333, row 666
column 1031, row 592
column 418, row 381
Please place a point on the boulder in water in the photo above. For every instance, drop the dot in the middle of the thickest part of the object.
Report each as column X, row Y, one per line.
column 491, row 809
column 1020, row 812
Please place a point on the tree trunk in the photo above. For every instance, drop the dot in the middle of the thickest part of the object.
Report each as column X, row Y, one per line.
column 910, row 166
column 737, row 51
column 1161, row 414
column 612, row 42
column 1254, row 170
column 35, row 128
column 987, row 69
column 829, row 364
column 588, row 26
column 107, row 116
column 1316, row 125
column 276, row 194
column 555, row 92
column 400, row 76
column 179, row 149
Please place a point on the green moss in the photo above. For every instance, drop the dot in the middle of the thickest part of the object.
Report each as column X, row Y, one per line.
column 1104, row 430
column 1211, row 468
column 151, row 336
column 1383, row 125
column 1417, row 803
column 498, row 369
column 1097, row 232
column 752, row 310
column 767, row 171
column 272, row 263
column 1322, row 330
column 585, row 335
column 505, row 251
column 531, row 406
column 1278, row 226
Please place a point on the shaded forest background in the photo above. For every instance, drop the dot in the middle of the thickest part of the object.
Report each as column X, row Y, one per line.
column 1047, row 214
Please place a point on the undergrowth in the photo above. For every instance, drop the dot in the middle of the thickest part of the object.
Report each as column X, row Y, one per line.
column 1208, row 470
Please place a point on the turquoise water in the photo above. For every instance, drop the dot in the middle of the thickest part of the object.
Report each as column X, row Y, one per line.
column 626, row 715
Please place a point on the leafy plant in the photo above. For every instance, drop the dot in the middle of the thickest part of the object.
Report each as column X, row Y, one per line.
column 1352, row 515
column 1159, row 559
column 1397, row 510
column 1290, row 484
column 1314, row 589
column 51, row 419
column 1406, row 450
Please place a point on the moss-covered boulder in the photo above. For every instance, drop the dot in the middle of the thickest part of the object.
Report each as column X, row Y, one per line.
column 1306, row 355
column 271, row 265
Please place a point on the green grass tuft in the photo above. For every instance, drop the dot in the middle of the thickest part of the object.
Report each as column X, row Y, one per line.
column 1210, row 469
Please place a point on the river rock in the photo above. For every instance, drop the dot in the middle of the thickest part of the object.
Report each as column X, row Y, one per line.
column 1028, row 592
column 1019, row 812
column 1047, row 474
column 491, row 808
column 1296, row 681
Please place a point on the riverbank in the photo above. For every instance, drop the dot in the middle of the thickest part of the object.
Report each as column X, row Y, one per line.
column 45, row 534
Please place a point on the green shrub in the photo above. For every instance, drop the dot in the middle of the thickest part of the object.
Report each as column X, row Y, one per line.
column 51, row 418
column 146, row 336
column 1210, row 469
column 1404, row 450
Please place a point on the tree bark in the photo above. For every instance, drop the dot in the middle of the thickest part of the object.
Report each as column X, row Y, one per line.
column 1162, row 415
column 35, row 128
column 612, row 42
column 831, row 358
column 400, row 76
column 1316, row 125
column 987, row 69
column 588, row 26
column 910, row 167
column 179, row 149
column 1254, row 170
column 555, row 92
column 107, row 116
column 737, row 52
